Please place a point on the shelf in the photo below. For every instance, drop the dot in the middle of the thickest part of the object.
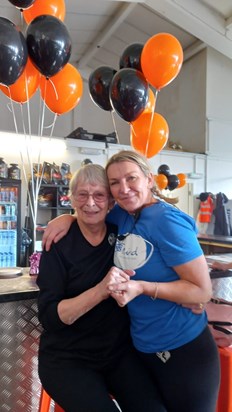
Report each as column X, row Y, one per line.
column 51, row 193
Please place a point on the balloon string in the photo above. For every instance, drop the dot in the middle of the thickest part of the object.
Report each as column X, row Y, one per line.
column 13, row 111
column 53, row 124
column 40, row 114
column 54, row 88
column 114, row 124
column 34, row 187
column 151, row 122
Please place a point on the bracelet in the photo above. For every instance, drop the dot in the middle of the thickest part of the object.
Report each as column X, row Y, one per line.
column 156, row 292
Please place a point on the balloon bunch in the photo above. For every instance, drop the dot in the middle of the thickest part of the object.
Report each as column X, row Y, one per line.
column 39, row 60
column 128, row 91
column 165, row 180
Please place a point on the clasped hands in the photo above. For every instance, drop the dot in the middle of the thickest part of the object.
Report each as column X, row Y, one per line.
column 121, row 287
column 124, row 289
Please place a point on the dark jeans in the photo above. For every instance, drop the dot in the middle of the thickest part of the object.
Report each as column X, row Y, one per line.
column 189, row 380
column 78, row 388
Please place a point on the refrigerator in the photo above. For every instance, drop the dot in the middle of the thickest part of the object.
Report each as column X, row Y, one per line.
column 10, row 224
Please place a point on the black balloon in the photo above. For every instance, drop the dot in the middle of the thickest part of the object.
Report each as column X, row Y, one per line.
column 129, row 93
column 22, row 4
column 49, row 44
column 164, row 170
column 173, row 182
column 99, row 86
column 131, row 57
column 13, row 52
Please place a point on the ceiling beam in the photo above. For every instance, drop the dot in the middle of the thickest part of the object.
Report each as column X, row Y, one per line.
column 112, row 25
column 197, row 19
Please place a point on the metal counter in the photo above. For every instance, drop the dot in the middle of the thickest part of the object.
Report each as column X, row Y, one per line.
column 19, row 338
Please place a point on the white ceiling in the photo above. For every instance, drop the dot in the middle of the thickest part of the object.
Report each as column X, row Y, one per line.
column 101, row 29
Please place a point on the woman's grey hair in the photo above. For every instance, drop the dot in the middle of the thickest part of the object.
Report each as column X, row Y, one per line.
column 142, row 162
column 90, row 173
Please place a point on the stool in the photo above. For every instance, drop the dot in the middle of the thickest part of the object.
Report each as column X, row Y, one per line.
column 45, row 403
column 224, row 403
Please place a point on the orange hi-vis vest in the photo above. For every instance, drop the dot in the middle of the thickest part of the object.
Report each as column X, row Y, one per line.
column 206, row 210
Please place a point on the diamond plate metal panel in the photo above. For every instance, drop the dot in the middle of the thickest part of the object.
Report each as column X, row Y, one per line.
column 222, row 288
column 19, row 338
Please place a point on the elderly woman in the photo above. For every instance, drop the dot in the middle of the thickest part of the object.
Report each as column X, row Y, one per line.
column 85, row 350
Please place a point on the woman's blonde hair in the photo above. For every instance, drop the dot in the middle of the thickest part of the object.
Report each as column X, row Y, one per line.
column 142, row 162
column 90, row 173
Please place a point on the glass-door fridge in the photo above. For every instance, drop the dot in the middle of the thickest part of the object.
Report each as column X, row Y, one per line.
column 10, row 225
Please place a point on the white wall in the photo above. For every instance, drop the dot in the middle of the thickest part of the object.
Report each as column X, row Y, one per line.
column 219, row 104
column 183, row 104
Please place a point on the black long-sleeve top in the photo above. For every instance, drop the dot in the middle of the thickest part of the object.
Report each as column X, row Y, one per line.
column 72, row 266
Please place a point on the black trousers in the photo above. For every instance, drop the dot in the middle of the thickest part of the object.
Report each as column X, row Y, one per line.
column 78, row 388
column 188, row 380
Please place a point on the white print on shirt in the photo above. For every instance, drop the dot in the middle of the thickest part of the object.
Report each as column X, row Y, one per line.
column 164, row 356
column 132, row 252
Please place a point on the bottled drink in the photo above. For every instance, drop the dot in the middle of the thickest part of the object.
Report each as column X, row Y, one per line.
column 3, row 168
column 14, row 171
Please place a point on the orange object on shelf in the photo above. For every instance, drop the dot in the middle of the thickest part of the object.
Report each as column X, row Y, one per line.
column 224, row 403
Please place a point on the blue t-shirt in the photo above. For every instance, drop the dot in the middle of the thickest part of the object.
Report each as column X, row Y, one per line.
column 159, row 238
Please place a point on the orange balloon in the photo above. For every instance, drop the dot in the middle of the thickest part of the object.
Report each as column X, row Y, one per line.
column 25, row 86
column 182, row 180
column 54, row 8
column 161, row 59
column 149, row 133
column 150, row 107
column 63, row 91
column 161, row 181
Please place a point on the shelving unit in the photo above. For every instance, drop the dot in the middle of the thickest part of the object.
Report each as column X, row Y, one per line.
column 51, row 203
column 10, row 225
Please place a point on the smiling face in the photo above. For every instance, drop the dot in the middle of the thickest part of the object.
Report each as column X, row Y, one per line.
column 129, row 186
column 91, row 202
column 90, row 195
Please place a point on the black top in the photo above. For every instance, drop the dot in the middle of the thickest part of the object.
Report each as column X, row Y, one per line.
column 72, row 266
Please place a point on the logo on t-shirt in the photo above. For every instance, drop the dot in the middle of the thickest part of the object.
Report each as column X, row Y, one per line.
column 132, row 252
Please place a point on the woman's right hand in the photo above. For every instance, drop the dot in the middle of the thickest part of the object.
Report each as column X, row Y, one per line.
column 114, row 276
column 56, row 229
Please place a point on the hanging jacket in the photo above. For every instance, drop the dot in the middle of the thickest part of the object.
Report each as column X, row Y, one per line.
column 222, row 224
column 205, row 210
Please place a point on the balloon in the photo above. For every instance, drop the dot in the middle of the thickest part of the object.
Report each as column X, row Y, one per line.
column 22, row 4
column 129, row 93
column 173, row 182
column 25, row 86
column 99, row 86
column 63, row 91
column 131, row 57
column 161, row 59
column 49, row 44
column 161, row 181
column 54, row 8
column 13, row 52
column 149, row 134
column 164, row 169
column 150, row 107
column 182, row 179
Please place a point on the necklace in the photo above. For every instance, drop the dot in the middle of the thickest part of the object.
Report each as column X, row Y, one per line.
column 136, row 218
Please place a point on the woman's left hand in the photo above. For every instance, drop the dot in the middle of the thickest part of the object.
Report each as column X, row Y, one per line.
column 197, row 308
column 125, row 292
